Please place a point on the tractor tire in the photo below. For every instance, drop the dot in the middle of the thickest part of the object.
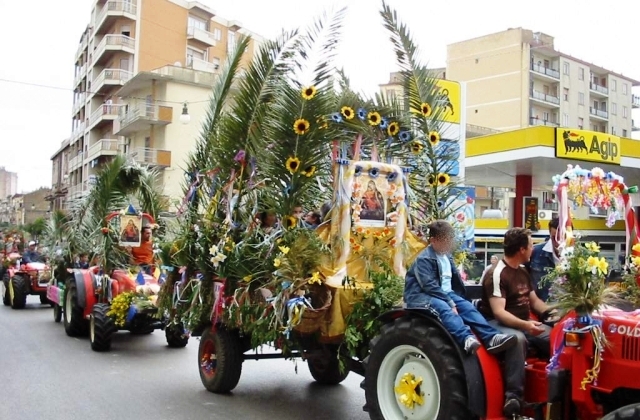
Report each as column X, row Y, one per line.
column 176, row 337
column 220, row 358
column 101, row 328
column 410, row 349
column 6, row 299
column 326, row 370
column 57, row 313
column 44, row 300
column 628, row 412
column 74, row 323
column 18, row 292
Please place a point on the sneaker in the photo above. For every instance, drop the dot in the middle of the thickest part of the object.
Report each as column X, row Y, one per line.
column 471, row 345
column 501, row 342
column 511, row 408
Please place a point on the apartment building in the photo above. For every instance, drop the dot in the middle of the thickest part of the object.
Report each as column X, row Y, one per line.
column 8, row 183
column 60, row 176
column 516, row 79
column 124, row 38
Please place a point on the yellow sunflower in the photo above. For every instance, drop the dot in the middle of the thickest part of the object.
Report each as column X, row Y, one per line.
column 416, row 147
column 301, row 126
column 322, row 122
column 309, row 171
column 347, row 112
column 374, row 118
column 434, row 138
column 393, row 128
column 290, row 222
column 309, row 92
column 425, row 108
column 293, row 164
column 443, row 179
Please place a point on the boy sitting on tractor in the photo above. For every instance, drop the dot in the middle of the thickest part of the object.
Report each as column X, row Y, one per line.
column 143, row 255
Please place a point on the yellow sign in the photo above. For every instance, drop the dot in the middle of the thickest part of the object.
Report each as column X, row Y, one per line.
column 448, row 100
column 587, row 145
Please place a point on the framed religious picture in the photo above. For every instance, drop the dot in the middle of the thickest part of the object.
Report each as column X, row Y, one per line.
column 373, row 206
column 130, row 230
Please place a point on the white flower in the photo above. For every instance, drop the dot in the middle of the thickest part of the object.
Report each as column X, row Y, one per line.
column 213, row 250
column 566, row 252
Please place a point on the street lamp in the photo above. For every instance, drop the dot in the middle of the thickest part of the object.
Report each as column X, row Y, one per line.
column 185, row 118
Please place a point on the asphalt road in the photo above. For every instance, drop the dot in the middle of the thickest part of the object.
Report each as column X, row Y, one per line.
column 46, row 375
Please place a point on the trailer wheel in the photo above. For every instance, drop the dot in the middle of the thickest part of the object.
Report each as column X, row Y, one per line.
column 628, row 412
column 220, row 358
column 326, row 370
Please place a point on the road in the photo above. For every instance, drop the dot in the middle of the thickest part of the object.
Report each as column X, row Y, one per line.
column 46, row 375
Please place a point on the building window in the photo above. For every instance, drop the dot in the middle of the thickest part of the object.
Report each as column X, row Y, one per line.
column 614, row 85
column 580, row 98
column 594, row 127
column 603, row 106
column 625, row 112
column 581, row 73
column 197, row 23
column 216, row 63
column 614, row 108
column 580, row 123
column 565, row 94
column 193, row 53
column 545, row 116
column 624, row 88
column 603, row 128
column 231, row 42
column 613, row 131
column 624, row 133
column 565, row 120
column 217, row 34
column 565, row 68
column 391, row 95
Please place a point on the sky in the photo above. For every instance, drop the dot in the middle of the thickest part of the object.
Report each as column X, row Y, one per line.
column 39, row 51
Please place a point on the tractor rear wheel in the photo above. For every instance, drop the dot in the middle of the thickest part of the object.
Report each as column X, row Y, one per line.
column 101, row 328
column 414, row 372
column 74, row 323
column 326, row 370
column 176, row 336
column 18, row 292
column 220, row 358
column 628, row 412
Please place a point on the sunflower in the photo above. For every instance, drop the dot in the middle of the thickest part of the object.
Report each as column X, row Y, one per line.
column 309, row 92
column 309, row 171
column 347, row 112
column 434, row 138
column 416, row 147
column 432, row 180
column 293, row 164
column 322, row 122
column 443, row 179
column 425, row 108
column 301, row 126
column 374, row 118
column 393, row 128
column 290, row 222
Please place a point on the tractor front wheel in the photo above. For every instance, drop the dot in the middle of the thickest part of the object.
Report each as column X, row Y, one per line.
column 176, row 336
column 101, row 328
column 414, row 372
column 220, row 359
column 18, row 292
column 57, row 313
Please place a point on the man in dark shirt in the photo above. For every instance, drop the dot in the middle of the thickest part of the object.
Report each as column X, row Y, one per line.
column 31, row 255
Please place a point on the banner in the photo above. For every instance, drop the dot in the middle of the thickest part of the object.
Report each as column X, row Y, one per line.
column 463, row 200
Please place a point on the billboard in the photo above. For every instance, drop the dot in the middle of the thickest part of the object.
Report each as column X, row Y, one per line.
column 589, row 146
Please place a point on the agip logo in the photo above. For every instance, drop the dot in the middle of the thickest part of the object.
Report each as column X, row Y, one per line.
column 587, row 145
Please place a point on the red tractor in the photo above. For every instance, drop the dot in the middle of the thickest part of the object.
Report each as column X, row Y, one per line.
column 415, row 370
column 23, row 279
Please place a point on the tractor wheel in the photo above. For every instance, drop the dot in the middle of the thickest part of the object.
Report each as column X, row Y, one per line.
column 74, row 323
column 101, row 328
column 220, row 360
column 18, row 292
column 628, row 412
column 44, row 300
column 176, row 336
column 326, row 370
column 414, row 372
column 57, row 313
column 6, row 300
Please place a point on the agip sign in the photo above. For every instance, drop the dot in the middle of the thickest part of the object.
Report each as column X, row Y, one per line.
column 587, row 145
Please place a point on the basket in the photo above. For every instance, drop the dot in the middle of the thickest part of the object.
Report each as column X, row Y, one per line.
column 312, row 317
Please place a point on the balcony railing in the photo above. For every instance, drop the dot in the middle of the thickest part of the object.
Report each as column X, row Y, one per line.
column 104, row 111
column 201, row 35
column 598, row 112
column 597, row 88
column 544, row 97
column 538, row 121
column 141, row 116
column 76, row 162
column 201, row 65
column 79, row 130
column 116, row 8
column 81, row 47
column 114, row 42
column 151, row 157
column 546, row 71
column 79, row 101
column 104, row 147
column 635, row 101
column 111, row 77
column 82, row 71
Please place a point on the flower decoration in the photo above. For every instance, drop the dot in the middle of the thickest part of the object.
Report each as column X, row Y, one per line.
column 292, row 164
column 315, row 278
column 374, row 118
column 432, row 180
column 384, row 123
column 309, row 92
column 434, row 138
column 216, row 256
column 347, row 112
column 336, row 117
column 301, row 126
column 443, row 178
column 405, row 136
column 290, row 222
column 416, row 147
column 240, row 157
column 357, row 170
column 277, row 262
column 362, row 113
column 392, row 176
column 309, row 171
column 374, row 172
column 393, row 128
column 425, row 108
column 105, row 230
column 322, row 122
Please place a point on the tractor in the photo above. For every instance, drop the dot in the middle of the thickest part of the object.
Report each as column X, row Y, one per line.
column 23, row 279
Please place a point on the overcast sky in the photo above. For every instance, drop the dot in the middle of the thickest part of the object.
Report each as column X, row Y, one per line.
column 38, row 44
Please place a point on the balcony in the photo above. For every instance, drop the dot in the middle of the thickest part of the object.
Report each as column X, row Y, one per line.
column 75, row 162
column 79, row 102
column 201, row 65
column 141, row 117
column 538, row 121
column 634, row 127
column 112, row 43
column 104, row 147
column 103, row 114
column 78, row 132
column 545, row 99
column 635, row 101
column 545, row 72
column 599, row 114
column 80, row 75
column 78, row 191
column 598, row 90
column 109, row 78
column 114, row 9
column 151, row 157
column 81, row 48
column 200, row 35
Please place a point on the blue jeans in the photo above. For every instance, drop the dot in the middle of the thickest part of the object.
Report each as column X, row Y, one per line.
column 468, row 316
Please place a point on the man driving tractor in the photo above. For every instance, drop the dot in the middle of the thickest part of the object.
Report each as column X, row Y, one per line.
column 31, row 255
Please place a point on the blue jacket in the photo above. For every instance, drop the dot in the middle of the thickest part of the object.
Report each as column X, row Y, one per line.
column 540, row 264
column 31, row 256
column 423, row 281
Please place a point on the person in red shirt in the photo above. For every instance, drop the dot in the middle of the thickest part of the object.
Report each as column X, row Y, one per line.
column 143, row 255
